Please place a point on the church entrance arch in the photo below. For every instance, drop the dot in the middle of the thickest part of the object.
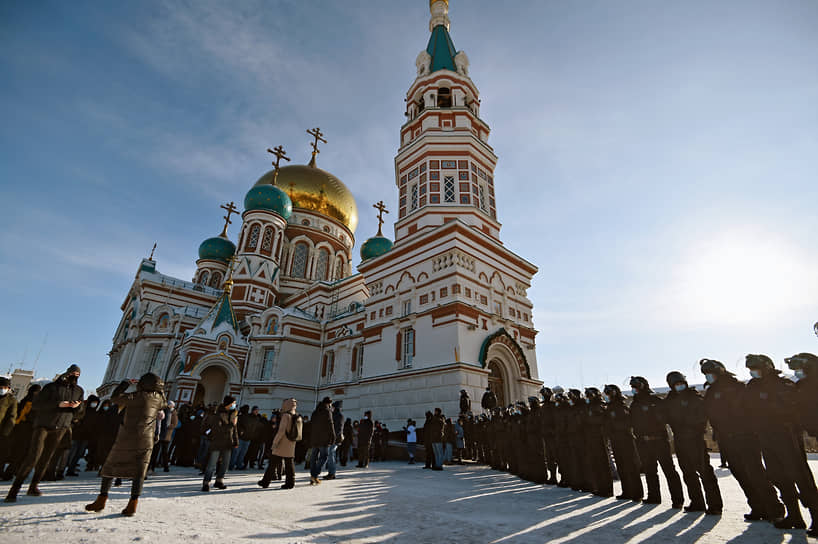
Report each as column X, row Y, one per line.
column 212, row 386
column 497, row 382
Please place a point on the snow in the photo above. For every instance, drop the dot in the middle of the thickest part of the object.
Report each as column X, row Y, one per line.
column 389, row 502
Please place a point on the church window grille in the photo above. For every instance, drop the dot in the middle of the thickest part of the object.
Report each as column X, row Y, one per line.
column 254, row 234
column 483, row 199
column 203, row 277
column 408, row 347
column 267, row 242
column 414, row 197
column 300, row 261
column 216, row 280
column 272, row 326
column 321, row 267
column 267, row 365
column 448, row 189
column 339, row 268
column 413, row 174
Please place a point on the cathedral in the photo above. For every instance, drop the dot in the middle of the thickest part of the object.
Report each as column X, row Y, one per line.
column 279, row 312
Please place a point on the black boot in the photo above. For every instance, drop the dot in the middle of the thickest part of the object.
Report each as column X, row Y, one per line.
column 15, row 488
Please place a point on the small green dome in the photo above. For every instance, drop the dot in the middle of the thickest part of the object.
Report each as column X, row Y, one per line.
column 375, row 247
column 217, row 249
column 268, row 197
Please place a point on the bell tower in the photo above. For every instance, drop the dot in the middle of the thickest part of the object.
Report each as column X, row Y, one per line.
column 444, row 168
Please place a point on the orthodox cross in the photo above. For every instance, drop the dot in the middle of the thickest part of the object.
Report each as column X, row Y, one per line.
column 231, row 209
column 279, row 154
column 152, row 250
column 315, row 133
column 381, row 207
column 228, row 283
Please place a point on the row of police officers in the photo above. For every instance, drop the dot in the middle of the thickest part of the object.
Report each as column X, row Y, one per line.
column 566, row 438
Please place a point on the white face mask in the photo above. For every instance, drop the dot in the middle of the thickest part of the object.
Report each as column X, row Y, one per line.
column 571, row 402
column 232, row 406
column 800, row 374
column 93, row 405
column 587, row 401
column 710, row 378
column 3, row 392
column 755, row 373
column 606, row 398
column 679, row 387
column 192, row 418
column 634, row 391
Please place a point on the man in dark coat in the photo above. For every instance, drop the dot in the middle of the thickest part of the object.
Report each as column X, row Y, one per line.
column 8, row 417
column 436, row 430
column 54, row 411
column 222, row 433
column 489, row 400
column 20, row 437
column 619, row 432
column 131, row 452
column 366, row 428
column 724, row 407
column 244, row 428
column 427, row 442
column 322, row 437
column 805, row 366
column 648, row 419
column 770, row 403
column 597, row 460
column 338, row 427
column 346, row 442
column 686, row 416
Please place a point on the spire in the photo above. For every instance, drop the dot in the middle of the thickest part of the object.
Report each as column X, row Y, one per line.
column 440, row 48
column 315, row 133
column 279, row 154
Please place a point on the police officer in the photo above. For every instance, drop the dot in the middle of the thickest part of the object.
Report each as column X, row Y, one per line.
column 489, row 400
column 548, row 430
column 724, row 408
column 562, row 422
column 597, row 460
column 618, row 431
column 805, row 366
column 771, row 405
column 580, row 479
column 687, row 419
column 648, row 420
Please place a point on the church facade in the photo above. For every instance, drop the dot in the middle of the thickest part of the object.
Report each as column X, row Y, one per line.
column 280, row 313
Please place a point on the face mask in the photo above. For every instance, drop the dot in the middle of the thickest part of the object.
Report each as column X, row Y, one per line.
column 192, row 418
column 710, row 378
column 571, row 402
column 606, row 398
column 105, row 408
column 232, row 406
column 587, row 401
column 634, row 391
column 800, row 374
column 3, row 392
column 679, row 387
column 93, row 405
column 755, row 373
column 73, row 379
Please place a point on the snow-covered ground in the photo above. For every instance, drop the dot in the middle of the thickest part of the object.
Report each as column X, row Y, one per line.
column 389, row 502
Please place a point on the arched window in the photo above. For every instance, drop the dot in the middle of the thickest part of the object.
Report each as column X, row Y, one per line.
column 277, row 251
column 267, row 241
column 164, row 321
column 321, row 265
column 300, row 260
column 216, row 280
column 339, row 268
column 255, row 232
column 272, row 325
column 203, row 277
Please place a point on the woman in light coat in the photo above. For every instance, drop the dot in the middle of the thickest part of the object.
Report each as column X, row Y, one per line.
column 282, row 449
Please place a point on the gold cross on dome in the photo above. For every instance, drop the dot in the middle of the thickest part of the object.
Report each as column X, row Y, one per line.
column 279, row 154
column 152, row 250
column 228, row 283
column 231, row 209
column 315, row 133
column 381, row 207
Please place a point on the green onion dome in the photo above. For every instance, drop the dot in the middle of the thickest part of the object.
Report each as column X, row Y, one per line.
column 268, row 197
column 218, row 248
column 375, row 247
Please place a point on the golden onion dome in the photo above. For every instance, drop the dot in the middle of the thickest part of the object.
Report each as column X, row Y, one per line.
column 311, row 188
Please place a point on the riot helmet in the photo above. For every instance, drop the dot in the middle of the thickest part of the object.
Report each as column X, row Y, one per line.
column 759, row 365
column 639, row 384
column 676, row 378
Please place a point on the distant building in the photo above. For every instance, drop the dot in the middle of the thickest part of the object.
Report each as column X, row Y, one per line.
column 281, row 314
column 21, row 379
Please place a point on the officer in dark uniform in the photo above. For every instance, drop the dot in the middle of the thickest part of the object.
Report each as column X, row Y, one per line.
column 724, row 408
column 648, row 420
column 549, row 434
column 489, row 400
column 534, row 431
column 562, row 422
column 575, row 433
column 597, row 460
column 618, row 430
column 686, row 416
column 805, row 366
column 771, row 405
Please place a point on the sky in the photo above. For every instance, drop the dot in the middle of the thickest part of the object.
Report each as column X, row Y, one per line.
column 657, row 160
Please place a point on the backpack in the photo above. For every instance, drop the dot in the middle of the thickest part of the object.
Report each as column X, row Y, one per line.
column 294, row 432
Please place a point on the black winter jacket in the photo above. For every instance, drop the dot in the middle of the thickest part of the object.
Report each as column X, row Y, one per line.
column 322, row 430
column 47, row 409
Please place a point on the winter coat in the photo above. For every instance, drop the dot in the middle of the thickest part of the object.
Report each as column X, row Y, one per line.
column 459, row 434
column 648, row 416
column 365, row 431
column 724, row 407
column 685, row 413
column 322, row 430
column 220, row 428
column 170, row 422
column 436, row 428
column 8, row 414
column 131, row 453
column 283, row 446
column 47, row 411
column 246, row 425
column 338, row 423
column 807, row 403
column 770, row 404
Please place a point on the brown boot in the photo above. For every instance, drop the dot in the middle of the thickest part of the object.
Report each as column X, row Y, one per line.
column 98, row 505
column 33, row 491
column 130, row 510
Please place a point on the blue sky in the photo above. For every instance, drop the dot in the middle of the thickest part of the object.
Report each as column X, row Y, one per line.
column 657, row 160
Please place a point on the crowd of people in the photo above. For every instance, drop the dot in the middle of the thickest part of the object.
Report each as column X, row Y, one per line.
column 582, row 440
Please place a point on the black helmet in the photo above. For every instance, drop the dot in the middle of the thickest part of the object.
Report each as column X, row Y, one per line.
column 759, row 362
column 593, row 393
column 675, row 377
column 533, row 403
column 639, row 383
column 574, row 394
column 803, row 361
column 613, row 391
column 546, row 393
column 150, row 382
column 711, row 366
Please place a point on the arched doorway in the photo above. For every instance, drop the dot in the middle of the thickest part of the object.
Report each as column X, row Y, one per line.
column 211, row 387
column 497, row 381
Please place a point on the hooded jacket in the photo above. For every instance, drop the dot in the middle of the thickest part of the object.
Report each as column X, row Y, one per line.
column 322, row 428
column 47, row 411
column 283, row 446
